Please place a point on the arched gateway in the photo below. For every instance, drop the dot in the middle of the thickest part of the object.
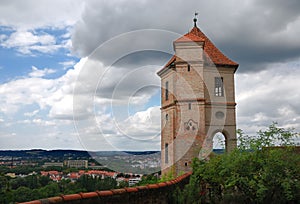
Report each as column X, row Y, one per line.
column 197, row 101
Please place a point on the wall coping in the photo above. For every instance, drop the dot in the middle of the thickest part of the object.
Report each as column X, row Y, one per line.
column 112, row 192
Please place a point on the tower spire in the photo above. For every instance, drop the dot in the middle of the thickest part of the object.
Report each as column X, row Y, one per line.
column 195, row 19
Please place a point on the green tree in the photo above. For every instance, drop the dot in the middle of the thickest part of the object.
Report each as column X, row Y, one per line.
column 17, row 182
column 5, row 189
column 256, row 172
column 123, row 184
column 22, row 194
column 106, row 184
column 148, row 179
column 32, row 181
column 44, row 180
column 50, row 190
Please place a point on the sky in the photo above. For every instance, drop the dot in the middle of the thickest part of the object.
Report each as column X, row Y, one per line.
column 82, row 74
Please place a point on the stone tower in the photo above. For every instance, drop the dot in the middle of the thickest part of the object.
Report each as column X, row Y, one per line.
column 197, row 101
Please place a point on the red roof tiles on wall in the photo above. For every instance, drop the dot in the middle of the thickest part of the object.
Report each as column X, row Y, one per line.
column 90, row 197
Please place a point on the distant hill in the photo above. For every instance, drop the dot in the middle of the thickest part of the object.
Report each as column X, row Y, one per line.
column 38, row 153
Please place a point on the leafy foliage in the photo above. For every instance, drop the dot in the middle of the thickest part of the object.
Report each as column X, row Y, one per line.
column 256, row 172
column 36, row 187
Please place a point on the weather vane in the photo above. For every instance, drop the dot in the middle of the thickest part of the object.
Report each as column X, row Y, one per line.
column 195, row 19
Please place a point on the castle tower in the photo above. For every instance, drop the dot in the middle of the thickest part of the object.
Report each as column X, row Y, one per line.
column 197, row 101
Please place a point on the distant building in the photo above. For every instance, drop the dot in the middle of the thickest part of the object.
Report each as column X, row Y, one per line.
column 11, row 175
column 133, row 181
column 76, row 163
column 48, row 164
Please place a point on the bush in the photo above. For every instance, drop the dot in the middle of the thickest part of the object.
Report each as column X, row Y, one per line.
column 256, row 172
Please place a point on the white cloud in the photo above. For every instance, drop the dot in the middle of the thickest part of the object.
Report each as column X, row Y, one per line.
column 25, row 38
column 26, row 42
column 253, row 42
column 30, row 114
column 139, row 131
column 143, row 125
column 31, row 14
column 39, row 121
column 22, row 92
column 269, row 95
column 40, row 72
column 2, row 37
column 68, row 64
column 262, row 96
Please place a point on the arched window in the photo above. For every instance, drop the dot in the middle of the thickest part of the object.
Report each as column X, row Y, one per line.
column 219, row 143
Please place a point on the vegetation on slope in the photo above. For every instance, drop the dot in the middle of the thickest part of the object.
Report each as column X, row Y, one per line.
column 258, row 171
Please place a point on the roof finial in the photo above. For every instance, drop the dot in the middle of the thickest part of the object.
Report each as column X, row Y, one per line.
column 195, row 19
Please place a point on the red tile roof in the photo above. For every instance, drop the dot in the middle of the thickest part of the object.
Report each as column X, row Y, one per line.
column 212, row 53
column 171, row 61
column 190, row 37
column 217, row 57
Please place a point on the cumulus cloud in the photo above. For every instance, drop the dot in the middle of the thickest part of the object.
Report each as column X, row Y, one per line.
column 68, row 64
column 262, row 36
column 135, row 132
column 142, row 125
column 270, row 95
column 31, row 15
column 30, row 114
column 20, row 92
column 27, row 42
column 40, row 72
column 253, row 33
column 23, row 21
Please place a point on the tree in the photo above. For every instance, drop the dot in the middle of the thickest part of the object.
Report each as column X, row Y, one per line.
column 52, row 189
column 256, row 172
column 22, row 194
column 44, row 180
column 148, row 179
column 18, row 182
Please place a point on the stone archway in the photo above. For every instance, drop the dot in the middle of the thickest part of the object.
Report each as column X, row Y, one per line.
column 219, row 142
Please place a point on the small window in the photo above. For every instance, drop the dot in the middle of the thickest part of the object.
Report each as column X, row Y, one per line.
column 185, row 164
column 166, row 153
column 167, row 117
column 190, row 106
column 189, row 67
column 219, row 90
column 167, row 91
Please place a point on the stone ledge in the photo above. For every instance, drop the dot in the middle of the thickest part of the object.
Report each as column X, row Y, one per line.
column 141, row 194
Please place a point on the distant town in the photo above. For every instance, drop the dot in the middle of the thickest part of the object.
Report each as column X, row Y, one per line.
column 128, row 167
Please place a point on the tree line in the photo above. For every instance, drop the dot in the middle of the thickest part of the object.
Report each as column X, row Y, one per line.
column 34, row 187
